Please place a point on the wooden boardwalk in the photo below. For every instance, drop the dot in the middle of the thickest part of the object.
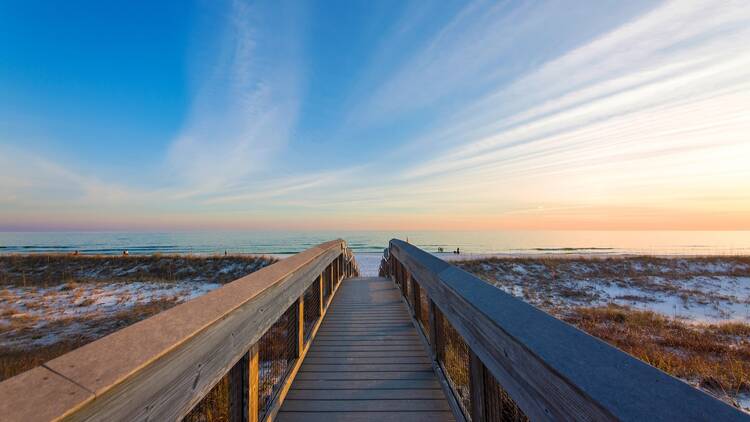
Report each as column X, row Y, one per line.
column 367, row 362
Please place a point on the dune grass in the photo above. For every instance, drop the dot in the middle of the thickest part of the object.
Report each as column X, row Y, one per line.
column 44, row 270
column 715, row 357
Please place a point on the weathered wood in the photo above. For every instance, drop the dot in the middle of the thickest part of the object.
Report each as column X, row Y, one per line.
column 433, row 339
column 365, row 384
column 552, row 370
column 357, row 367
column 353, row 360
column 417, row 299
column 321, row 299
column 368, row 353
column 398, row 416
column 159, row 368
column 366, row 405
column 239, row 390
column 254, row 377
column 370, row 394
column 476, row 387
column 365, row 367
column 300, row 325
column 40, row 395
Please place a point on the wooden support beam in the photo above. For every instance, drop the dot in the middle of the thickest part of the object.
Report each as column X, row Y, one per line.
column 433, row 316
column 239, row 390
column 417, row 300
column 322, row 303
column 300, row 325
column 476, row 387
column 253, row 368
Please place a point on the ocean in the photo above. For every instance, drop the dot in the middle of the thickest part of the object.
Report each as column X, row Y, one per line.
column 368, row 245
column 469, row 242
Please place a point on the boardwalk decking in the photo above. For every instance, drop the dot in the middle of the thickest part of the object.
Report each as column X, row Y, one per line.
column 367, row 362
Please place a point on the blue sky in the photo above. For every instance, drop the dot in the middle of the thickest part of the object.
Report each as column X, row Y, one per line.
column 386, row 114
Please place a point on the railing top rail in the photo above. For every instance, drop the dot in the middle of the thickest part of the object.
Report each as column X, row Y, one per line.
column 550, row 368
column 118, row 361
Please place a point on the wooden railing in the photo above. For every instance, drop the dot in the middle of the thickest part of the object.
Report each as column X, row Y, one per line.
column 503, row 359
column 160, row 368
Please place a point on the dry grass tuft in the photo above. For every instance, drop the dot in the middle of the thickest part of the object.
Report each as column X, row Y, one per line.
column 715, row 357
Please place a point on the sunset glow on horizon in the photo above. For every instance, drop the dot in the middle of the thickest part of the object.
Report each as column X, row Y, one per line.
column 375, row 115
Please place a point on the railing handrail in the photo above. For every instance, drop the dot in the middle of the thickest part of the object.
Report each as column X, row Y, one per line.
column 552, row 370
column 159, row 368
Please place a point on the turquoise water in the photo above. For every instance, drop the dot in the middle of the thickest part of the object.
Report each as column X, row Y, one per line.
column 470, row 242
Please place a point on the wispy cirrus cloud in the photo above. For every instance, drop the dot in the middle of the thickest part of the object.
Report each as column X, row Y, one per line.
column 246, row 98
column 490, row 114
column 636, row 115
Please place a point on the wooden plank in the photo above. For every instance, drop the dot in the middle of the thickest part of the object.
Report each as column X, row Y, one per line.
column 368, row 367
column 552, row 370
column 394, row 405
column 366, row 360
column 52, row 396
column 369, row 362
column 389, row 342
column 388, row 384
column 368, row 348
column 365, row 416
column 369, row 394
column 366, row 353
column 476, row 387
column 366, row 325
column 377, row 375
column 159, row 368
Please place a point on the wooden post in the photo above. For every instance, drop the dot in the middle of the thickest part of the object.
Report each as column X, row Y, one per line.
column 239, row 391
column 253, row 404
column 320, row 292
column 330, row 279
column 476, row 387
column 300, row 325
column 404, row 281
column 417, row 300
column 335, row 267
column 434, row 318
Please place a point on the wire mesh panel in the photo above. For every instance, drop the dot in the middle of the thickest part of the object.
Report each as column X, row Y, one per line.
column 311, row 307
column 498, row 406
column 454, row 357
column 214, row 406
column 276, row 351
